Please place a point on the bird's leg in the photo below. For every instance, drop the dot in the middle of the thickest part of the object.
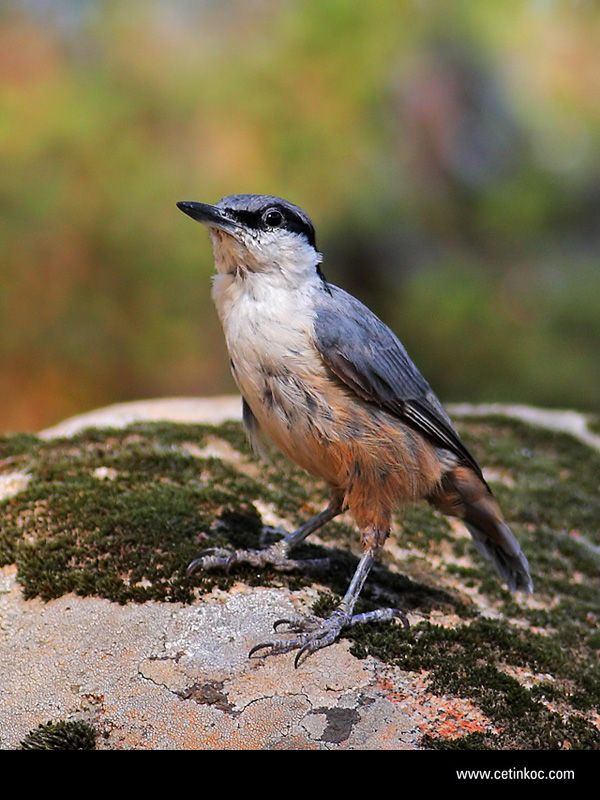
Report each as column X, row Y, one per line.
column 277, row 554
column 313, row 633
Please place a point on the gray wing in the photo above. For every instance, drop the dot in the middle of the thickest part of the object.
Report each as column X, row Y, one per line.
column 367, row 356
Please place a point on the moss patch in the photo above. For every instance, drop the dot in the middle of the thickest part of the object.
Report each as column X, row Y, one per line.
column 61, row 736
column 471, row 661
column 17, row 444
column 120, row 513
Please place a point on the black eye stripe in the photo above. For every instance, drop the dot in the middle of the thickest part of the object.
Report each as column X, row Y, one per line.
column 249, row 218
column 298, row 225
column 291, row 221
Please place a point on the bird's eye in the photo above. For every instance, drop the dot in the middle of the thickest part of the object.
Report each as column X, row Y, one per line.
column 273, row 218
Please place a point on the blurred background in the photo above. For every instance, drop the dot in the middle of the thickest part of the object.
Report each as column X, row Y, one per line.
column 449, row 154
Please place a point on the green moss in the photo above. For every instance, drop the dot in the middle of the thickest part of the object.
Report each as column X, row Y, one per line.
column 17, row 444
column 120, row 513
column 61, row 736
column 423, row 527
column 468, row 661
column 555, row 476
column 128, row 531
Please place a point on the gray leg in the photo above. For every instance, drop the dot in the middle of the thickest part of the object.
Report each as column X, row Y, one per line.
column 313, row 524
column 276, row 555
column 317, row 633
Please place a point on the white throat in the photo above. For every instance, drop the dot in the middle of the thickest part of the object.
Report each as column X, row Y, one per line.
column 289, row 254
column 276, row 293
column 265, row 305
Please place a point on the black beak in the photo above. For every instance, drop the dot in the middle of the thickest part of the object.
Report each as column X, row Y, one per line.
column 207, row 215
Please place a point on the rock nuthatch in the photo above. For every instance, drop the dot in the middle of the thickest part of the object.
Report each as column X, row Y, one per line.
column 329, row 383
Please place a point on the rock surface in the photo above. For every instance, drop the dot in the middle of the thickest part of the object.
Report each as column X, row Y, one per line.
column 160, row 676
column 99, row 623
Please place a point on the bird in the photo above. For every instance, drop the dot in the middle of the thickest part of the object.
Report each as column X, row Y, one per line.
column 328, row 383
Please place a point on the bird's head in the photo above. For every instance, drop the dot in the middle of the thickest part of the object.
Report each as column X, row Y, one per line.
column 258, row 234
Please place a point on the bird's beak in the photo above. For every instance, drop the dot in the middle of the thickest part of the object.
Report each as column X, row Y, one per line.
column 208, row 215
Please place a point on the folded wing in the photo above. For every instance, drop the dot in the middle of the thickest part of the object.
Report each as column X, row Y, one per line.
column 367, row 356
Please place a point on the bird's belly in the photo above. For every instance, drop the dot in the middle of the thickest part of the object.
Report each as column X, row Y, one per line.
column 292, row 408
column 331, row 433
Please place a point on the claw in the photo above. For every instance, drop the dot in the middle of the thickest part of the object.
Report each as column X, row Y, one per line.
column 193, row 566
column 279, row 622
column 315, row 634
column 257, row 647
column 277, row 647
column 403, row 619
column 300, row 653
column 298, row 624
column 223, row 558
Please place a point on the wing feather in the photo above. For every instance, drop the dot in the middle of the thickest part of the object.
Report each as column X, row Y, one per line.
column 368, row 357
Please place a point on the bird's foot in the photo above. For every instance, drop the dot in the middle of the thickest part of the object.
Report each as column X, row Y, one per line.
column 276, row 556
column 315, row 633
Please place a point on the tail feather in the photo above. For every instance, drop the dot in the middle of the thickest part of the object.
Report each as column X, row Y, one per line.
column 506, row 556
column 463, row 494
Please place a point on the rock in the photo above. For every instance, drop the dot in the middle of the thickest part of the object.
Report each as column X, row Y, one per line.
column 100, row 625
column 208, row 410
column 11, row 483
column 573, row 422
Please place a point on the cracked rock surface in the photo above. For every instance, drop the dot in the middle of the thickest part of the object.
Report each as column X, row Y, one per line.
column 163, row 676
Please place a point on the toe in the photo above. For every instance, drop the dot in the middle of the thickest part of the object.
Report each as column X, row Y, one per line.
column 276, row 647
column 298, row 624
column 213, row 558
column 381, row 615
column 314, row 634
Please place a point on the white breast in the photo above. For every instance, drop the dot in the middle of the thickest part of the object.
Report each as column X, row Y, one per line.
column 269, row 334
column 268, row 329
